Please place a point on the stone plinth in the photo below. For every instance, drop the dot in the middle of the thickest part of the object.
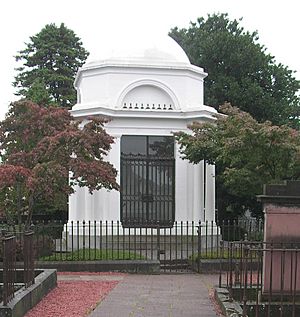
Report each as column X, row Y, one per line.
column 281, row 269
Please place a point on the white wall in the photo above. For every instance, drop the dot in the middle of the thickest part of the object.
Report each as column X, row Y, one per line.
column 189, row 178
column 108, row 87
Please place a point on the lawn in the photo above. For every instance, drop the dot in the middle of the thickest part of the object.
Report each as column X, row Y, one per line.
column 92, row 255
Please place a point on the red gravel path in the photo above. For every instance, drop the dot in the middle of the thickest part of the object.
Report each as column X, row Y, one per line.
column 72, row 298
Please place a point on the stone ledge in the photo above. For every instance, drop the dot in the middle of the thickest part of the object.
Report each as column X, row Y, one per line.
column 209, row 266
column 126, row 266
column 25, row 299
column 228, row 307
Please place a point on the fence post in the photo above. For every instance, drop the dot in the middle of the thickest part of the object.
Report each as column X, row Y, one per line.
column 158, row 242
column 245, row 256
column 230, row 270
column 221, row 259
column 199, row 247
column 9, row 267
column 28, row 258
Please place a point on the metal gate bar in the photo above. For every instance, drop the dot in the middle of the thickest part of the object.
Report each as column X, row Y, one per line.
column 147, row 191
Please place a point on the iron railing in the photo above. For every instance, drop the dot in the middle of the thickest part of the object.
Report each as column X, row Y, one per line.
column 17, row 246
column 9, row 267
column 104, row 240
column 264, row 277
column 28, row 250
column 184, row 244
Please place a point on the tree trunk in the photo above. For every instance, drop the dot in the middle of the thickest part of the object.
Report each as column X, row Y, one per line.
column 19, row 205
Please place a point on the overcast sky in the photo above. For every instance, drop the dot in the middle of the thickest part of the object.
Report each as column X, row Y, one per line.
column 99, row 22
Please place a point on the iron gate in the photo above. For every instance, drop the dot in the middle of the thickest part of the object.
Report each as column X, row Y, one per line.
column 147, row 191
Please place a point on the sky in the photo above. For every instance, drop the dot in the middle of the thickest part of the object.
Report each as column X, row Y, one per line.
column 98, row 23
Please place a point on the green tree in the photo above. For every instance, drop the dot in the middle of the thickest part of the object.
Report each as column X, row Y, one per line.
column 52, row 57
column 38, row 93
column 40, row 146
column 247, row 153
column 240, row 71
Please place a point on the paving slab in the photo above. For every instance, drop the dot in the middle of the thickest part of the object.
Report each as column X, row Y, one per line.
column 167, row 295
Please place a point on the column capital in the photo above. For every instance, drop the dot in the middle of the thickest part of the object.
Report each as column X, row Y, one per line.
column 116, row 135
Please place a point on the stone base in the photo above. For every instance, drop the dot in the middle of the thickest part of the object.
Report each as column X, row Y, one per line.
column 25, row 299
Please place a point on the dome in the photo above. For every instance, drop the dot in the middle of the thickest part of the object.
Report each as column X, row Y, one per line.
column 139, row 50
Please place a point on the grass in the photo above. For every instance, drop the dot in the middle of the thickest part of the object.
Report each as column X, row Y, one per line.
column 92, row 254
column 225, row 254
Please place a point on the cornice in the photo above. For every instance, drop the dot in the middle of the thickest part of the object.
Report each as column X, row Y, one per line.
column 206, row 112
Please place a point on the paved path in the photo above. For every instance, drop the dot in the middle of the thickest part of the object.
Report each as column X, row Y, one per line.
column 166, row 295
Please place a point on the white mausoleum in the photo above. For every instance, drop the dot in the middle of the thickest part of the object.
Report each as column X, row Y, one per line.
column 149, row 90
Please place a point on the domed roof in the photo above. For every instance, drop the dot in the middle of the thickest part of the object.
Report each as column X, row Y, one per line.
column 139, row 50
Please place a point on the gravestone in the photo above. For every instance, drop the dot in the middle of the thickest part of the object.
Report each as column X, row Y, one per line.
column 281, row 269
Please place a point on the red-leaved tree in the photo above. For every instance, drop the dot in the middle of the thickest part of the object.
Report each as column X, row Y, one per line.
column 45, row 152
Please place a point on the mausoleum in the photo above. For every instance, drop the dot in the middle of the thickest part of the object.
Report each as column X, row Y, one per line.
column 148, row 89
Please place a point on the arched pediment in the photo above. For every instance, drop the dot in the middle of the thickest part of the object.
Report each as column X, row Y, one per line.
column 147, row 95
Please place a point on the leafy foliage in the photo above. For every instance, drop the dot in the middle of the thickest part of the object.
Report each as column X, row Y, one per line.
column 50, row 62
column 41, row 146
column 239, row 70
column 38, row 93
column 248, row 153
